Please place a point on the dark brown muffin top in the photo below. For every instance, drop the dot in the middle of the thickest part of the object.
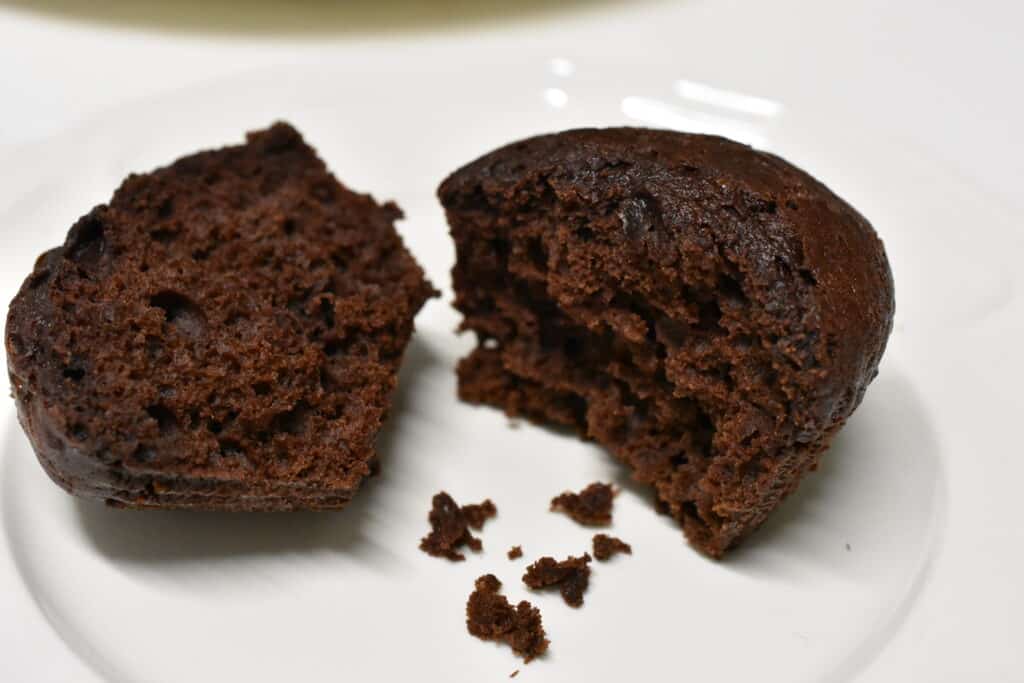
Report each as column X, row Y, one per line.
column 237, row 316
column 818, row 263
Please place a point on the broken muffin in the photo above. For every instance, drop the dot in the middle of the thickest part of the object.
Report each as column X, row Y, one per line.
column 224, row 334
column 708, row 312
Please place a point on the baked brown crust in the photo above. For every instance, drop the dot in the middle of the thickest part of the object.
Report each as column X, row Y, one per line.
column 224, row 334
column 710, row 313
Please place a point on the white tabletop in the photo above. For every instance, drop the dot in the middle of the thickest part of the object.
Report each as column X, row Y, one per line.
column 943, row 74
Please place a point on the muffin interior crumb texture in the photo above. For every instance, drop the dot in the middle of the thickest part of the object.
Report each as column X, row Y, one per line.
column 708, row 313
column 606, row 546
column 450, row 526
column 571, row 576
column 489, row 616
column 592, row 506
column 225, row 333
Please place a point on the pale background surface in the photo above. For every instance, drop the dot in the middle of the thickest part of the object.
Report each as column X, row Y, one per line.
column 942, row 75
column 947, row 74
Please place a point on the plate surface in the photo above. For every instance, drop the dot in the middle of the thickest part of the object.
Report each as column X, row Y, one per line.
column 869, row 546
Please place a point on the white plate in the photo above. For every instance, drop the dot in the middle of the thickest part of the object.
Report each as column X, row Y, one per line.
column 910, row 518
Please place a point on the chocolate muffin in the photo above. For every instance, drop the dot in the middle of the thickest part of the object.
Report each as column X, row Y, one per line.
column 709, row 313
column 224, row 334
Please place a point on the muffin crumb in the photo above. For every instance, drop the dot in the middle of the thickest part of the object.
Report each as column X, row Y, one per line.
column 571, row 575
column 605, row 546
column 450, row 525
column 489, row 616
column 591, row 507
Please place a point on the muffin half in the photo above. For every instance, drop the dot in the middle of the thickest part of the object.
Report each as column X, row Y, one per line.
column 224, row 334
column 709, row 313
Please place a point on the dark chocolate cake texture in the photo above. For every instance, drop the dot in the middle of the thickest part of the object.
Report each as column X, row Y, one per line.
column 224, row 334
column 708, row 312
